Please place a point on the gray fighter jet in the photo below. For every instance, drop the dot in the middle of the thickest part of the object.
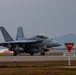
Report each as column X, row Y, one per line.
column 38, row 43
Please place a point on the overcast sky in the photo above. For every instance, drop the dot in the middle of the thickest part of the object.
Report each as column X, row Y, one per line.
column 51, row 17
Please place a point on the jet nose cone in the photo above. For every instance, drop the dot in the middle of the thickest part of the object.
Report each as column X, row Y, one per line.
column 54, row 43
column 59, row 44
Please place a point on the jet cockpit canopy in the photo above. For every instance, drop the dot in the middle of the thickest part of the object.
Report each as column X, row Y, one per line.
column 43, row 36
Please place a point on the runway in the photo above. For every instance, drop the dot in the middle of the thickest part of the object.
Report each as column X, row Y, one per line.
column 34, row 58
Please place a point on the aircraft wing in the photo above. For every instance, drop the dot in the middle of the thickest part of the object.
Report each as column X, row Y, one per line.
column 21, row 41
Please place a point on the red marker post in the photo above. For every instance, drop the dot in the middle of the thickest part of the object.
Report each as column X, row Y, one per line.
column 69, row 47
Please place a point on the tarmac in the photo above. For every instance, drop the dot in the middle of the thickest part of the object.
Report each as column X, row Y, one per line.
column 35, row 58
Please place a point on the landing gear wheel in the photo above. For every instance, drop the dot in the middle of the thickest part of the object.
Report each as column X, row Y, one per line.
column 14, row 53
column 42, row 53
column 31, row 54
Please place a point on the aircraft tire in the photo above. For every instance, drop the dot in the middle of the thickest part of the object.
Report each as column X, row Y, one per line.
column 42, row 53
column 31, row 54
column 15, row 54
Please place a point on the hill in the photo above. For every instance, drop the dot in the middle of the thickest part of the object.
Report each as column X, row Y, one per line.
column 66, row 38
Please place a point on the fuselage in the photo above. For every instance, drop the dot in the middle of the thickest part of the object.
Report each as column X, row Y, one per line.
column 44, row 42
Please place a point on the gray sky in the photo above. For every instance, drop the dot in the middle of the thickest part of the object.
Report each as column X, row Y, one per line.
column 51, row 17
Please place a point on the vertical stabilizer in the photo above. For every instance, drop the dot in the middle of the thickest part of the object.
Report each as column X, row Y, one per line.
column 6, row 35
column 20, row 34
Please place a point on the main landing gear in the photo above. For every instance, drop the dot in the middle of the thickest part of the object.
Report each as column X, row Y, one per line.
column 42, row 51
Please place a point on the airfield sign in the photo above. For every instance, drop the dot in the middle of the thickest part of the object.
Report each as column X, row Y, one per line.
column 71, row 54
column 69, row 46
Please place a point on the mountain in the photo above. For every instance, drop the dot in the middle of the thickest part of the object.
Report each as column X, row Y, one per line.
column 66, row 38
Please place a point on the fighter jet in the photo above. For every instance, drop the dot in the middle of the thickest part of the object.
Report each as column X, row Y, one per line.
column 48, row 42
column 36, row 44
